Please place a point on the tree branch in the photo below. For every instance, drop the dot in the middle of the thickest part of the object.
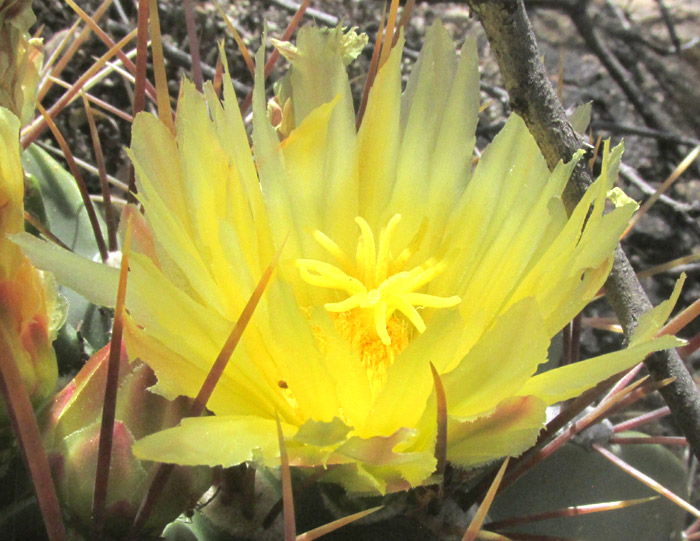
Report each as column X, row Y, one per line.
column 532, row 97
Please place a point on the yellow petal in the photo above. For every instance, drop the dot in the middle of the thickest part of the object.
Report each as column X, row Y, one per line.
column 577, row 260
column 273, row 177
column 581, row 117
column 409, row 382
column 305, row 153
column 244, row 206
column 29, row 312
column 452, row 157
column 162, row 190
column 215, row 441
column 154, row 150
column 426, row 94
column 506, row 188
column 177, row 375
column 322, row 434
column 651, row 321
column 571, row 380
column 378, row 140
column 94, row 281
column 293, row 348
column 508, row 431
column 505, row 357
column 350, row 377
column 379, row 458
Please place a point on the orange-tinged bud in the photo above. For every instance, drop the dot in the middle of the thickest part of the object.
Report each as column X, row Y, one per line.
column 30, row 312
column 72, row 434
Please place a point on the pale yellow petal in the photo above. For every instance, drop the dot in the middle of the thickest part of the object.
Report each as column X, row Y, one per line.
column 291, row 343
column 409, row 382
column 378, row 140
column 243, row 206
column 650, row 322
column 163, row 194
column 269, row 160
column 180, row 336
column 322, row 434
column 209, row 173
column 349, row 376
column 11, row 192
column 10, row 167
column 305, row 153
column 154, row 150
column 452, row 158
column 215, row 441
column 581, row 117
column 505, row 357
column 508, row 431
column 422, row 111
column 573, row 379
column 94, row 281
column 318, row 76
column 510, row 170
column 581, row 254
column 380, row 458
column 505, row 220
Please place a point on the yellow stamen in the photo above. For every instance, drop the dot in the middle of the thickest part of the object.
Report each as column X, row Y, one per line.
column 332, row 248
column 369, row 285
column 385, row 239
column 319, row 273
column 366, row 256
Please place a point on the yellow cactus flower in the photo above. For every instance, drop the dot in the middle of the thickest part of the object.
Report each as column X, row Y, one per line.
column 29, row 314
column 397, row 256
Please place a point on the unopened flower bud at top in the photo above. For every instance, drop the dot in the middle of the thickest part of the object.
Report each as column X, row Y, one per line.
column 21, row 58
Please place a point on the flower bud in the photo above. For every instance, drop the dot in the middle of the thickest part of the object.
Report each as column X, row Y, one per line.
column 21, row 58
column 30, row 309
column 72, row 433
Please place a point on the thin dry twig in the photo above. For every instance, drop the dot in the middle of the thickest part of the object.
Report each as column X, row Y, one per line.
column 104, row 452
column 110, row 219
column 316, row 14
column 666, row 15
column 665, row 185
column 194, row 44
column 89, row 207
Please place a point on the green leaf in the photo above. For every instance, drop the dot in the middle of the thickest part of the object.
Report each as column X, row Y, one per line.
column 34, row 203
column 64, row 211
column 62, row 201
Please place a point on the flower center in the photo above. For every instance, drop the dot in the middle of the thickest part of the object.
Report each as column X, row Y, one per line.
column 376, row 284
